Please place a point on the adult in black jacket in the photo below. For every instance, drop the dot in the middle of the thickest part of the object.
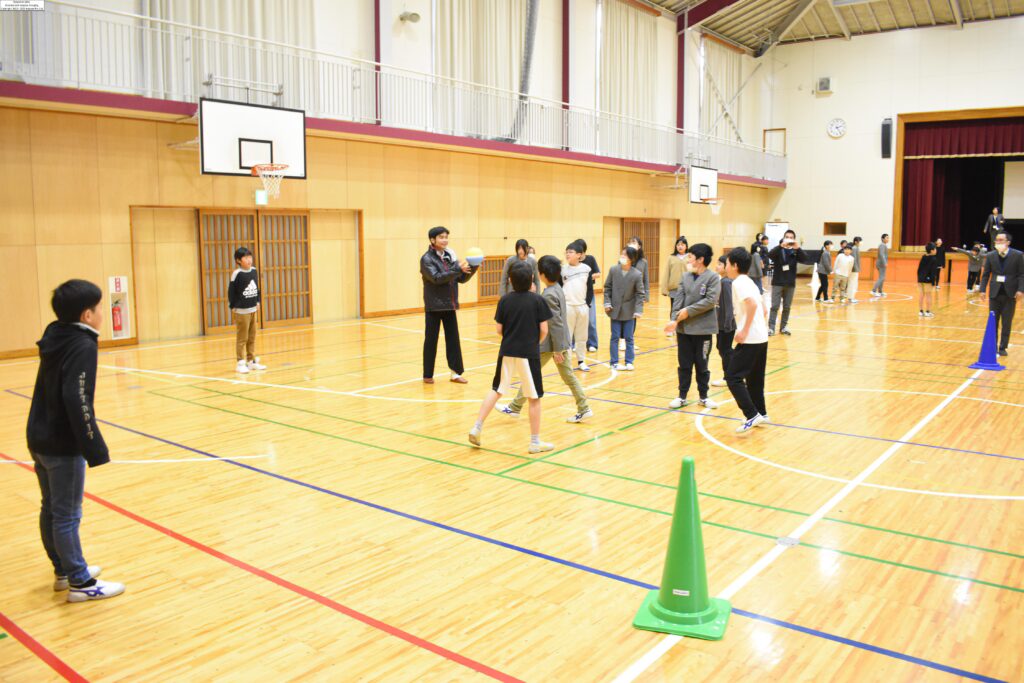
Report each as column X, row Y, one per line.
column 1005, row 268
column 442, row 274
column 784, row 259
column 993, row 226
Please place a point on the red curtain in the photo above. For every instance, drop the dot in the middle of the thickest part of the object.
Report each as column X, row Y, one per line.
column 957, row 138
column 932, row 191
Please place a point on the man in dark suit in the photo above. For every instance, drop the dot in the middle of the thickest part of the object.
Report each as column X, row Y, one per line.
column 1005, row 267
column 993, row 225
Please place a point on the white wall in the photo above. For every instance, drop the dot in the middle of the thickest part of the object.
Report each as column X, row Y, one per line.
column 877, row 77
column 404, row 44
column 546, row 71
column 583, row 53
column 665, row 83
column 344, row 28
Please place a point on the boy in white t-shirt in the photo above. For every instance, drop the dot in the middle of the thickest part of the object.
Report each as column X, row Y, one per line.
column 750, row 357
column 843, row 267
column 575, row 276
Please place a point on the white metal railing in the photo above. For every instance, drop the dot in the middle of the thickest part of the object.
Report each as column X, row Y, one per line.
column 70, row 45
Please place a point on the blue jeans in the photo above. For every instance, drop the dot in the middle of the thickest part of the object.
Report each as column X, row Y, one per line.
column 62, row 483
column 624, row 329
column 592, row 329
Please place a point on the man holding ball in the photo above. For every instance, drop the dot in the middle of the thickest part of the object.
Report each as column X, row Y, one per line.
column 442, row 274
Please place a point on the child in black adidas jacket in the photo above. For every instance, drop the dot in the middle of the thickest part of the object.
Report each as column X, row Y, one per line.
column 244, row 299
column 63, row 436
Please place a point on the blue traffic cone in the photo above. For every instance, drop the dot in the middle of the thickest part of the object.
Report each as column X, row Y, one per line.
column 987, row 357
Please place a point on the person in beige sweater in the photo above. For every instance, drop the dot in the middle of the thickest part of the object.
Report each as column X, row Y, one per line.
column 673, row 271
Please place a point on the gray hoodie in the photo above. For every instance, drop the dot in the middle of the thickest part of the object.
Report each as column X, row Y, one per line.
column 856, row 259
column 825, row 262
column 698, row 294
column 974, row 261
column 558, row 332
column 624, row 293
column 883, row 255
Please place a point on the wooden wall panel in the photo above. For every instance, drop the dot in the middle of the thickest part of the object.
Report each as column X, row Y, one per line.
column 16, row 189
column 127, row 173
column 334, row 265
column 166, row 250
column 56, row 263
column 19, row 288
column 64, row 178
column 179, row 310
column 181, row 184
column 328, row 179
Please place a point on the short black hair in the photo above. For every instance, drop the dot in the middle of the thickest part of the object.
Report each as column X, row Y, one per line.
column 551, row 268
column 575, row 246
column 857, row 239
column 930, row 247
column 242, row 252
column 740, row 258
column 848, row 246
column 790, row 230
column 1008, row 236
column 828, row 243
column 721, row 259
column 702, row 252
column 524, row 245
column 435, row 232
column 521, row 275
column 583, row 244
column 632, row 255
column 73, row 298
column 884, row 235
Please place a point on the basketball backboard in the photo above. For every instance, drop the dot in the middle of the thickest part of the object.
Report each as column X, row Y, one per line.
column 703, row 183
column 234, row 137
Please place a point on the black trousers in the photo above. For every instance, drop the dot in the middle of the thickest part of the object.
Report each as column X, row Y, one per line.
column 1004, row 306
column 972, row 279
column 723, row 342
column 822, row 287
column 746, row 378
column 693, row 350
column 452, row 348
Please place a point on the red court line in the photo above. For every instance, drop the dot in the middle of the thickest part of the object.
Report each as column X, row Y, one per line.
column 52, row 660
column 284, row 583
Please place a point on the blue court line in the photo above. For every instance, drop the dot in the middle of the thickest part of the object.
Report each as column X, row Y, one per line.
column 805, row 429
column 558, row 560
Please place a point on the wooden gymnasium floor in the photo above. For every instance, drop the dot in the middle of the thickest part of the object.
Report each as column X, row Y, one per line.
column 326, row 520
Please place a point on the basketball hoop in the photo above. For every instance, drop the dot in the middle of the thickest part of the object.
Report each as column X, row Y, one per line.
column 271, row 175
column 715, row 203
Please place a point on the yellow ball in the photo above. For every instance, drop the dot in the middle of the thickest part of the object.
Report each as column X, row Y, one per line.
column 474, row 256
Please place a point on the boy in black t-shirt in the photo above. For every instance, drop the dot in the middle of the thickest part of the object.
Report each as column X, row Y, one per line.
column 522, row 324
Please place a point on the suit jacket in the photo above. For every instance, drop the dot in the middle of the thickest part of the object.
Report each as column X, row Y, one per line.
column 698, row 295
column 624, row 293
column 1012, row 267
column 558, row 332
column 993, row 224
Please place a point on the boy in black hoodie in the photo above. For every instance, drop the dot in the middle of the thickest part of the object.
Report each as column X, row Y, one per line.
column 63, row 435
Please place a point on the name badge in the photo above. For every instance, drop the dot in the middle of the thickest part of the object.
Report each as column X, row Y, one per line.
column 785, row 267
column 1000, row 278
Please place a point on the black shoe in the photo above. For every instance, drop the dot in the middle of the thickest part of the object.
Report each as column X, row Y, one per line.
column 785, row 331
column 1002, row 352
column 771, row 332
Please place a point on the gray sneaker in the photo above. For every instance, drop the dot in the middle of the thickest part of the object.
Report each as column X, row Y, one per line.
column 580, row 417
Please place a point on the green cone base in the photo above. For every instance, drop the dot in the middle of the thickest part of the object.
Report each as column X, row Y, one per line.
column 709, row 624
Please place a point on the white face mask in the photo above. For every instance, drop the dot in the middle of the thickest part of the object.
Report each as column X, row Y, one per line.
column 689, row 267
column 623, row 260
column 1002, row 247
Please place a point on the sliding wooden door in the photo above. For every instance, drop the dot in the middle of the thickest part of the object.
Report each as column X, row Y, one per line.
column 284, row 272
column 649, row 232
column 220, row 233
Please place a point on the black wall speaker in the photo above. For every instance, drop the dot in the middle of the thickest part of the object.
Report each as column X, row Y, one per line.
column 886, row 138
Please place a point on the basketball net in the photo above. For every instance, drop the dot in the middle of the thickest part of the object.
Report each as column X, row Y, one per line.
column 715, row 203
column 271, row 175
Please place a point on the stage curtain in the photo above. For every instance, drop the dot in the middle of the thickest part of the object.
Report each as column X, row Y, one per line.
column 959, row 138
column 932, row 191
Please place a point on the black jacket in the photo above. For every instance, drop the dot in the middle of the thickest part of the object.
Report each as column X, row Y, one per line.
column 780, row 259
column 441, row 281
column 1012, row 267
column 61, row 420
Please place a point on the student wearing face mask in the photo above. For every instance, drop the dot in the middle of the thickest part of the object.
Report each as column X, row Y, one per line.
column 784, row 258
column 624, row 303
column 642, row 267
column 522, row 254
column 1004, row 277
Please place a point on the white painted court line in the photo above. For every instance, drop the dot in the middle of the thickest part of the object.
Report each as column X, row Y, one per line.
column 653, row 655
column 461, row 338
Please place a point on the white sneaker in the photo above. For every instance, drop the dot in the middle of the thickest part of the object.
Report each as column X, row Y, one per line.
column 708, row 403
column 679, row 403
column 505, row 410
column 883, row 294
column 580, row 417
column 620, row 367
column 99, row 591
column 929, row 314
column 592, row 349
column 920, row 314
column 474, row 437
column 629, row 367
column 718, row 383
column 764, row 421
column 830, row 301
column 255, row 365
column 854, row 301
column 583, row 367
column 60, row 583
column 749, row 424
column 541, row 447
column 241, row 367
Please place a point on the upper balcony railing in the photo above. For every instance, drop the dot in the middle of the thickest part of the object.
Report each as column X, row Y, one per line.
column 71, row 45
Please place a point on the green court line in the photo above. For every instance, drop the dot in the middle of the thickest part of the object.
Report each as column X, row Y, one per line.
column 587, row 495
column 2, row 636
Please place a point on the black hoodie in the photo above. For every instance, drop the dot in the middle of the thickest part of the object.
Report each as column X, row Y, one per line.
column 62, row 421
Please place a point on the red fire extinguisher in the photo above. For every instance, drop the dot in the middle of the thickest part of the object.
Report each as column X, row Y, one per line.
column 115, row 315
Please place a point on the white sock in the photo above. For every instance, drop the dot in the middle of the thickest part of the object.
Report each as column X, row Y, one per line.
column 478, row 426
column 534, row 439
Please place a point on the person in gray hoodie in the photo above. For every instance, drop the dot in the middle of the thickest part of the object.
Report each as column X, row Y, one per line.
column 881, row 263
column 975, row 259
column 824, row 268
column 624, row 303
column 855, row 273
column 694, row 321
column 726, row 321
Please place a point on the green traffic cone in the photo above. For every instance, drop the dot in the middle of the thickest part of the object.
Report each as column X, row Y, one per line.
column 682, row 605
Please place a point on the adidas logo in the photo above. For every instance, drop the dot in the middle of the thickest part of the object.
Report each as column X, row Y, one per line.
column 251, row 290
